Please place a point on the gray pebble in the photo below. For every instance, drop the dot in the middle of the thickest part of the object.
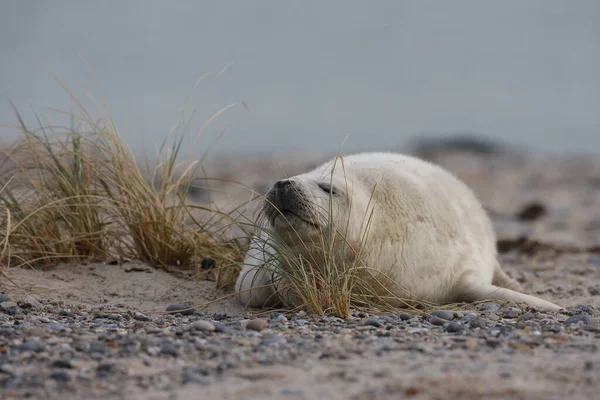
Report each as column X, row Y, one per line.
column 510, row 312
column 257, row 324
column 582, row 308
column 9, row 307
column 114, row 317
column 140, row 316
column 488, row 307
column 300, row 321
column 181, row 309
column 169, row 349
column 97, row 347
column 104, row 369
column 59, row 376
column 32, row 345
column 204, row 326
column 405, row 317
column 584, row 318
column 452, row 327
column 447, row 315
column 527, row 316
column 4, row 298
column 477, row 322
column 437, row 321
column 372, row 322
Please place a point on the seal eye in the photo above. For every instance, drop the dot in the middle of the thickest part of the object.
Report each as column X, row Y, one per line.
column 327, row 188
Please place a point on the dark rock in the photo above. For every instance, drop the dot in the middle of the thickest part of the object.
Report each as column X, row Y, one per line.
column 510, row 312
column 139, row 316
column 453, row 327
column 404, row 317
column 477, row 322
column 582, row 308
column 447, row 315
column 62, row 364
column 104, row 369
column 4, row 298
column 584, row 318
column 60, row 376
column 532, row 212
column 372, row 322
column 181, row 309
column 527, row 316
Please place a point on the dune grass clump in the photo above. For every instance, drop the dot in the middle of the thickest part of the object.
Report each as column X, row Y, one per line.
column 79, row 193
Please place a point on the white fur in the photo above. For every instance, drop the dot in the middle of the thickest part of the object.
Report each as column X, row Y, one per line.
column 428, row 232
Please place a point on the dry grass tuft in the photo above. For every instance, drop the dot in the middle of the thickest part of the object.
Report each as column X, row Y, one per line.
column 75, row 194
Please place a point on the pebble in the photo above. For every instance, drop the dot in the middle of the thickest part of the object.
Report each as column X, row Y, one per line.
column 584, row 318
column 257, row 324
column 140, row 316
column 510, row 312
column 9, row 307
column 405, row 317
column 169, row 349
column 488, row 307
column 477, row 322
column 32, row 345
column 62, row 364
column 453, row 327
column 60, row 376
column 181, row 309
column 527, row 316
column 204, row 326
column 582, row 308
column 447, row 315
column 4, row 298
column 437, row 321
column 372, row 322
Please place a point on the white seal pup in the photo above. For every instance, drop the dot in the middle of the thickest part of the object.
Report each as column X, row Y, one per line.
column 427, row 233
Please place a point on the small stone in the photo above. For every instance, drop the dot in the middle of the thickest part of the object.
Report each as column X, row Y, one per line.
column 169, row 349
column 437, row 321
column 452, row 327
column 181, row 309
column 405, row 317
column 60, row 376
column 32, row 345
column 104, row 369
column 527, row 316
column 62, row 364
column 65, row 311
column 97, row 347
column 257, row 324
column 584, row 318
column 488, row 307
column 204, row 326
column 9, row 307
column 114, row 317
column 493, row 342
column 582, row 308
column 139, row 316
column 372, row 322
column 476, row 322
column 447, row 315
column 4, row 298
column 510, row 312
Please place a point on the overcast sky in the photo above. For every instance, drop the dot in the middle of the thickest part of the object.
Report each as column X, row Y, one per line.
column 313, row 72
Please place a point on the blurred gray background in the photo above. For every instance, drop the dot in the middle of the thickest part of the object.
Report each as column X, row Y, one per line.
column 314, row 72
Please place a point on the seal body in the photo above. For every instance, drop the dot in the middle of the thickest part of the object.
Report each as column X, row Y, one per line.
column 417, row 225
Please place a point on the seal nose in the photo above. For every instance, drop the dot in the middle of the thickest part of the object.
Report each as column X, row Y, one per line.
column 281, row 185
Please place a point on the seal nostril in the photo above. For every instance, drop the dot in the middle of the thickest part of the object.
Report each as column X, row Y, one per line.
column 327, row 188
column 279, row 185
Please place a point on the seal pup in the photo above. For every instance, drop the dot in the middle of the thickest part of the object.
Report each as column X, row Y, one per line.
column 428, row 234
